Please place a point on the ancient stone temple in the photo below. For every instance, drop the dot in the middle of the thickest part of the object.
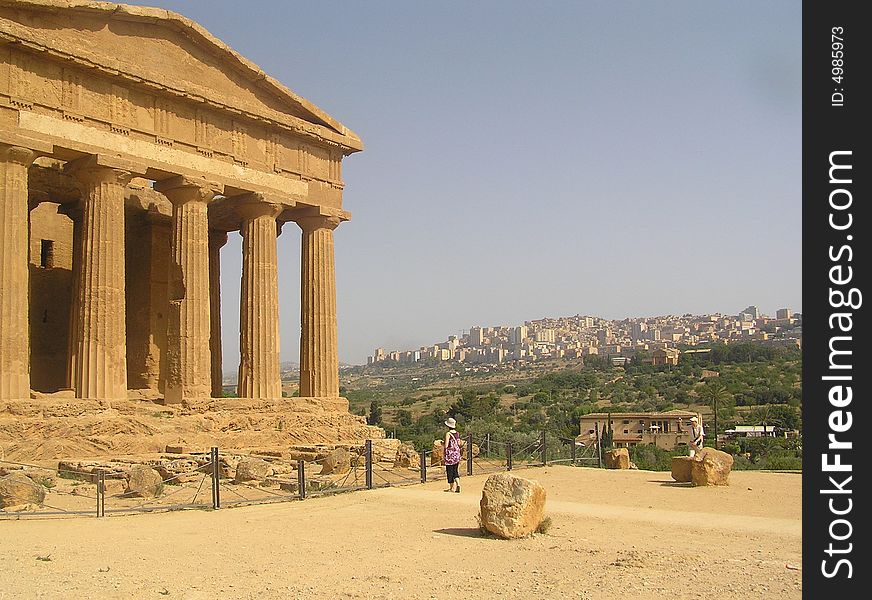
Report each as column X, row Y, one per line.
column 131, row 142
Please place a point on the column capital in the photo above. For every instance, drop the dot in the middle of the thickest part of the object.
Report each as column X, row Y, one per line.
column 254, row 205
column 95, row 169
column 17, row 154
column 181, row 189
column 313, row 222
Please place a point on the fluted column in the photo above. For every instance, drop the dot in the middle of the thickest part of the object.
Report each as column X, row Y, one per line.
column 217, row 239
column 319, row 353
column 74, row 212
column 14, row 286
column 99, row 363
column 189, row 360
column 259, row 306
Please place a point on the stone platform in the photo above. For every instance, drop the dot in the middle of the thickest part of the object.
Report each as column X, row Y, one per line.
column 58, row 427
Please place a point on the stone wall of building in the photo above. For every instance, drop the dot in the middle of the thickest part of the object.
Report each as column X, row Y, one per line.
column 51, row 264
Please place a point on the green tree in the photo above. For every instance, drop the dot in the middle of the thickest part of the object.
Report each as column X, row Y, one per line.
column 715, row 394
column 404, row 418
column 375, row 413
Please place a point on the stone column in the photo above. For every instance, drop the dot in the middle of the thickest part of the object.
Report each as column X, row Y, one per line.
column 189, row 361
column 319, row 354
column 217, row 239
column 14, row 282
column 99, row 361
column 259, row 305
column 74, row 212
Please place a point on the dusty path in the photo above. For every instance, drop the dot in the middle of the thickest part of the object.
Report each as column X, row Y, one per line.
column 615, row 534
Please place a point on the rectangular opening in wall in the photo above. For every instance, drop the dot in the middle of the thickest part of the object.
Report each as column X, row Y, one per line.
column 47, row 254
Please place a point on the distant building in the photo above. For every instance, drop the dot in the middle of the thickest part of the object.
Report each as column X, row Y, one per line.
column 517, row 335
column 665, row 356
column 784, row 313
column 666, row 430
column 759, row 431
column 753, row 311
column 545, row 335
column 476, row 336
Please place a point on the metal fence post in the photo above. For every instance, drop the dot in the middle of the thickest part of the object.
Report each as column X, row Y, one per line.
column 423, row 455
column 469, row 454
column 216, row 478
column 543, row 449
column 487, row 444
column 369, row 464
column 101, row 493
column 509, row 456
column 301, row 478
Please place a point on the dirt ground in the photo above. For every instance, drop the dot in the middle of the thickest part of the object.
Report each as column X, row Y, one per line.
column 615, row 534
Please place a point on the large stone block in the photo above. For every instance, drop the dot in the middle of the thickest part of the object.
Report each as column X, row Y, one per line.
column 143, row 482
column 407, row 457
column 338, row 461
column 437, row 455
column 18, row 489
column 511, row 506
column 618, row 458
column 253, row 469
column 711, row 467
column 681, row 468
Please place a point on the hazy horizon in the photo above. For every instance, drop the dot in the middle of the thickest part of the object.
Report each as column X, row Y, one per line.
column 611, row 159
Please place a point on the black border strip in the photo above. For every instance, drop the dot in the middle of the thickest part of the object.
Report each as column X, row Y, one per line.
column 835, row 103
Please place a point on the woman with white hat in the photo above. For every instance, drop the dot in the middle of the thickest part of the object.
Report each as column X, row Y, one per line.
column 451, row 445
column 697, row 436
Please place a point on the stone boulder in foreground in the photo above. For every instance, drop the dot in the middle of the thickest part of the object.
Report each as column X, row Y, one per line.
column 511, row 506
column 18, row 489
column 711, row 467
column 681, row 468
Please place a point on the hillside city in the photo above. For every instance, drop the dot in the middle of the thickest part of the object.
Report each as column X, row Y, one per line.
column 653, row 340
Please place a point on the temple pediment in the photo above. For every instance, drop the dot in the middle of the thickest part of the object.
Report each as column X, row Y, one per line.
column 157, row 56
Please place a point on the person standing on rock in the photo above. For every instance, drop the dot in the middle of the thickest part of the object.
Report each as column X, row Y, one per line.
column 697, row 436
column 451, row 447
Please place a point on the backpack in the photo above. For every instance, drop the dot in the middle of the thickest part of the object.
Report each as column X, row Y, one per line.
column 452, row 451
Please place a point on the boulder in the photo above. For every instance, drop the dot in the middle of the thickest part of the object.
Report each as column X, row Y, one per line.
column 681, row 467
column 253, row 469
column 618, row 458
column 143, row 482
column 511, row 506
column 407, row 457
column 711, row 467
column 437, row 456
column 385, row 449
column 338, row 461
column 18, row 489
column 475, row 449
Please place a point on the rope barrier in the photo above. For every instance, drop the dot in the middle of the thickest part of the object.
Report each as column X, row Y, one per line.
column 493, row 455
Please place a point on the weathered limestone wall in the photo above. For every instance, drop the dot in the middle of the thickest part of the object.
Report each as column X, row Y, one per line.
column 50, row 292
column 148, row 239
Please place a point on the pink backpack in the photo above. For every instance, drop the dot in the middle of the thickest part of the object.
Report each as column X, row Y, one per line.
column 452, row 452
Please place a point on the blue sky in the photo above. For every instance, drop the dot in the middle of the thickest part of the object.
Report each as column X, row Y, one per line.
column 539, row 159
